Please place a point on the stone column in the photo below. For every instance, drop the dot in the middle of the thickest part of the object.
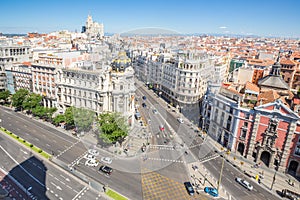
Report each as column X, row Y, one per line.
column 286, row 149
column 250, row 148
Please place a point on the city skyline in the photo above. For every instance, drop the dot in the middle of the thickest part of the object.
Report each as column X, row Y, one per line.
column 262, row 18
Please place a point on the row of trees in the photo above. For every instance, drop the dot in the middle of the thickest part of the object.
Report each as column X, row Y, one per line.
column 112, row 127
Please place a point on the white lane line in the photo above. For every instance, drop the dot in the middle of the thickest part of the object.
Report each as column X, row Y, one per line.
column 35, row 179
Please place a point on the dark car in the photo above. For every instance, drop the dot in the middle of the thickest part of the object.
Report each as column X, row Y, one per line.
column 107, row 170
column 144, row 98
column 144, row 105
column 189, row 188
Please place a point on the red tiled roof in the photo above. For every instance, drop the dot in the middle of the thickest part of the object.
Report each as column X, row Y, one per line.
column 27, row 63
column 251, row 86
column 268, row 96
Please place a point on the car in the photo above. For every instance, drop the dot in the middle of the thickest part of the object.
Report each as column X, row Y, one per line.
column 91, row 163
column 93, row 152
column 144, row 97
column 244, row 183
column 161, row 127
column 189, row 188
column 107, row 170
column 154, row 111
column 106, row 160
column 211, row 191
column 89, row 156
column 144, row 105
column 180, row 120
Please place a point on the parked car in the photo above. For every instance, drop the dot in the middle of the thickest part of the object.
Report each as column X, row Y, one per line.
column 211, row 191
column 106, row 160
column 93, row 152
column 107, row 170
column 161, row 127
column 180, row 120
column 91, row 163
column 144, row 97
column 144, row 105
column 244, row 183
column 155, row 111
column 189, row 188
column 89, row 156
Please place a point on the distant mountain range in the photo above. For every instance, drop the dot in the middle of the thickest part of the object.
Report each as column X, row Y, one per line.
column 12, row 34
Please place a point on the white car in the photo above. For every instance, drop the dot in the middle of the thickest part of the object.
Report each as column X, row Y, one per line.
column 106, row 160
column 89, row 156
column 180, row 120
column 91, row 163
column 244, row 183
column 93, row 152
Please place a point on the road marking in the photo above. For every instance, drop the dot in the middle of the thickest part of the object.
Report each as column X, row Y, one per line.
column 48, row 145
column 57, row 187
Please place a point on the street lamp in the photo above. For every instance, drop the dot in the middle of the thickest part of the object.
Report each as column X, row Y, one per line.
column 222, row 167
column 274, row 177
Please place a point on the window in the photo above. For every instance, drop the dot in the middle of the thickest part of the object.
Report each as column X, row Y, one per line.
column 297, row 150
column 243, row 133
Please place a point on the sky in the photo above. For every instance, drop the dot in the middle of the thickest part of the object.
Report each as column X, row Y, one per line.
column 255, row 17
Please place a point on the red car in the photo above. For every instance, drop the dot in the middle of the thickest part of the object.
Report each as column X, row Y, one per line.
column 161, row 127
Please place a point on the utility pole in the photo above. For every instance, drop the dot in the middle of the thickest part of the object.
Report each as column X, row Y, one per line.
column 220, row 178
column 222, row 167
column 274, row 178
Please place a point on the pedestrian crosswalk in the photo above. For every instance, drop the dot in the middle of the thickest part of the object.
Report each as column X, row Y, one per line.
column 165, row 160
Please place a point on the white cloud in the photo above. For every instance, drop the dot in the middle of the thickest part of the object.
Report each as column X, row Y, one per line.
column 222, row 27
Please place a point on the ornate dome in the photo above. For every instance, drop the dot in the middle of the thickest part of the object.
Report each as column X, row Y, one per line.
column 120, row 63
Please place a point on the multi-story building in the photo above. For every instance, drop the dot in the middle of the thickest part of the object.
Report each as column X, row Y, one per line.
column 44, row 78
column 267, row 132
column 10, row 54
column 110, row 88
column 181, row 79
column 22, row 77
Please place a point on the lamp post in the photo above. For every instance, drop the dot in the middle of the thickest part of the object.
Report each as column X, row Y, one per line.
column 274, row 178
column 222, row 167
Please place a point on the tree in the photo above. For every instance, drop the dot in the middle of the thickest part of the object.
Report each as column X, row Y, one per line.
column 4, row 95
column 19, row 97
column 83, row 119
column 112, row 127
column 43, row 112
column 59, row 119
column 32, row 101
column 69, row 117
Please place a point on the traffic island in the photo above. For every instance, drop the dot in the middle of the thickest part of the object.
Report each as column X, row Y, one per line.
column 114, row 195
column 26, row 143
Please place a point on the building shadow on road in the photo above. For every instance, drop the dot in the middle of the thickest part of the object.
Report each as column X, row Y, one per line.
column 26, row 180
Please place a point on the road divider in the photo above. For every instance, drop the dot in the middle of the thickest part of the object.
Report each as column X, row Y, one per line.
column 26, row 143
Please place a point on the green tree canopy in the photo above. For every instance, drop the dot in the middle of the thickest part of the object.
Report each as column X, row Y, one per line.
column 59, row 119
column 19, row 97
column 43, row 112
column 4, row 95
column 83, row 119
column 112, row 127
column 32, row 101
column 69, row 117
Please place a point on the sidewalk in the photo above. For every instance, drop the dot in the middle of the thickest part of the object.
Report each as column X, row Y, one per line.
column 264, row 176
column 200, row 178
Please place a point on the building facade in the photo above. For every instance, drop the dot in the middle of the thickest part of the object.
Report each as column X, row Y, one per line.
column 10, row 54
column 267, row 133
